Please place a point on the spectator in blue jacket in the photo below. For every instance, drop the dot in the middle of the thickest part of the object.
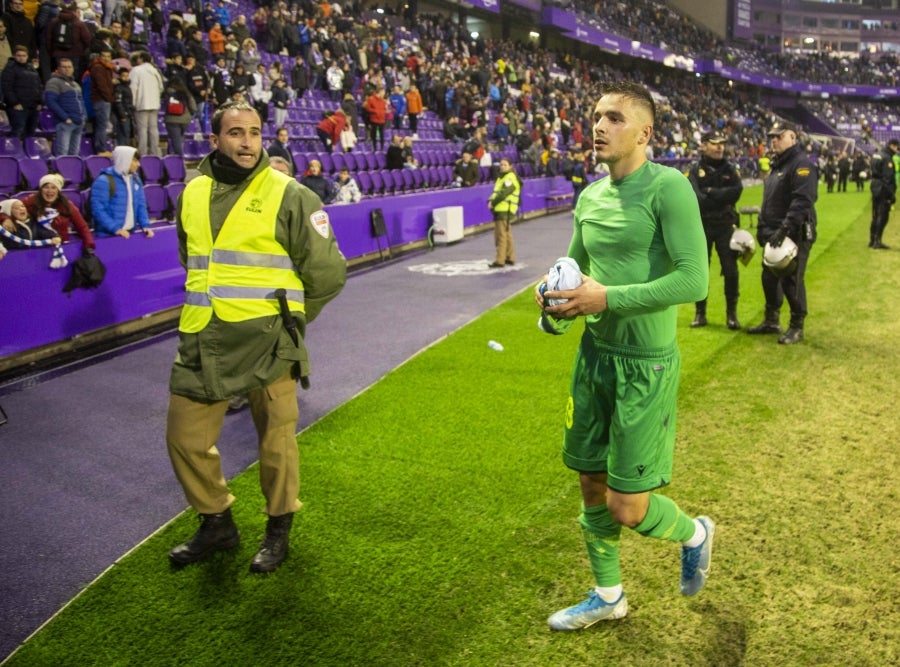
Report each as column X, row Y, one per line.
column 118, row 205
column 64, row 99
column 398, row 102
column 223, row 15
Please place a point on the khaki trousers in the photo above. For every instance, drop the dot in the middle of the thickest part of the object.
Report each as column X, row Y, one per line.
column 503, row 240
column 193, row 428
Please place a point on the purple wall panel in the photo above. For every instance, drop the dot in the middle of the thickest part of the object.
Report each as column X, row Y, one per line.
column 144, row 276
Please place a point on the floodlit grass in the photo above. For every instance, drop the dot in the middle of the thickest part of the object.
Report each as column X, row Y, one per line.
column 440, row 527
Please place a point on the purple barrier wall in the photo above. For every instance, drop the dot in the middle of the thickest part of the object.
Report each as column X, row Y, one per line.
column 143, row 275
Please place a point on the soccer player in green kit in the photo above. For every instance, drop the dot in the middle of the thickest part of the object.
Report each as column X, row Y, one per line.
column 640, row 244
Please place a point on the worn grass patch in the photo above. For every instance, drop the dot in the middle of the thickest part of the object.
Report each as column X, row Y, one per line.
column 440, row 527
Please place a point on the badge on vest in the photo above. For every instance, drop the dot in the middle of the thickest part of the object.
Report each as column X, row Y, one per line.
column 255, row 205
column 319, row 221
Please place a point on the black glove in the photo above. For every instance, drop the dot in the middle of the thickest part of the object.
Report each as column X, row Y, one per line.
column 778, row 237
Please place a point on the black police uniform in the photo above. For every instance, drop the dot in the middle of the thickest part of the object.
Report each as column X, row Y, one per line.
column 884, row 193
column 718, row 186
column 788, row 209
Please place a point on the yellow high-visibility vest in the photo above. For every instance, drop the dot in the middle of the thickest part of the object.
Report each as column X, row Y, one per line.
column 237, row 275
column 511, row 203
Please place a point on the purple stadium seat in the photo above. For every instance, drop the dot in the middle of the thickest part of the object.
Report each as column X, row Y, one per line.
column 157, row 202
column 71, row 168
column 381, row 160
column 390, row 183
column 418, row 176
column 4, row 122
column 95, row 163
column 409, row 181
column 337, row 159
column 377, row 182
column 74, row 196
column 152, row 169
column 365, row 182
column 46, row 124
column 174, row 166
column 32, row 170
column 173, row 191
column 371, row 162
column 9, row 175
column 300, row 163
column 38, row 147
column 11, row 146
column 87, row 147
column 327, row 163
column 350, row 161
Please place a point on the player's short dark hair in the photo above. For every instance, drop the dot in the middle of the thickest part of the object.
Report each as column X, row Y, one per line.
column 633, row 91
column 216, row 123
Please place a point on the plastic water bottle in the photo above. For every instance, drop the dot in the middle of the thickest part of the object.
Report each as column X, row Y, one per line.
column 494, row 345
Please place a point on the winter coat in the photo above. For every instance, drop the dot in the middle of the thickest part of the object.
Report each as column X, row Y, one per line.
column 63, row 97
column 414, row 102
column 377, row 108
column 21, row 84
column 398, row 102
column 147, row 87
column 109, row 213
column 62, row 222
column 333, row 125
column 102, row 81
column 81, row 44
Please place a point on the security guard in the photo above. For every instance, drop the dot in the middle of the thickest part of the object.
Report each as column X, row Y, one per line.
column 884, row 191
column 788, row 211
column 504, row 203
column 717, row 184
column 261, row 262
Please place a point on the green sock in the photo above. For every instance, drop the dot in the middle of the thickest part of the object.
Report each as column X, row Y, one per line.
column 665, row 521
column 601, row 537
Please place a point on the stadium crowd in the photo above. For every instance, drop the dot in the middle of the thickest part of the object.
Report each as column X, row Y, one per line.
column 141, row 72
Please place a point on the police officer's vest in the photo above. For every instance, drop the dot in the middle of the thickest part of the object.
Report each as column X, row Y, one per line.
column 511, row 203
column 237, row 275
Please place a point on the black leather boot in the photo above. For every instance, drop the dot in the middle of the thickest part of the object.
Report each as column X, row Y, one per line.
column 770, row 325
column 791, row 336
column 217, row 532
column 699, row 315
column 731, row 320
column 274, row 547
column 732, row 292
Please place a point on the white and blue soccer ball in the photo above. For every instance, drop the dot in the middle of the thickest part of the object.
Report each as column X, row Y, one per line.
column 565, row 274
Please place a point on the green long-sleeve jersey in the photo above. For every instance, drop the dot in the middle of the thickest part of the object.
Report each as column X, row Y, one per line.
column 642, row 237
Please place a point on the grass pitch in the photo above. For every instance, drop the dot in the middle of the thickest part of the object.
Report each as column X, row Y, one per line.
column 440, row 527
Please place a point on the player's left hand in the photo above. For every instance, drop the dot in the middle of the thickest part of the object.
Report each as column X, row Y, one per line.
column 538, row 297
column 589, row 298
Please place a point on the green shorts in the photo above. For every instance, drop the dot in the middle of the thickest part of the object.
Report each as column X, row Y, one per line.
column 620, row 418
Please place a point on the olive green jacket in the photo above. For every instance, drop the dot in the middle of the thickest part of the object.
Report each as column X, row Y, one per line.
column 226, row 359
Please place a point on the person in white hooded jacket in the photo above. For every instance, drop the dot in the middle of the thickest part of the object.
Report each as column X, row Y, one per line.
column 118, row 205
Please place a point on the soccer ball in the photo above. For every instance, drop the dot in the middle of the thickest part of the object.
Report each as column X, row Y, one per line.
column 565, row 274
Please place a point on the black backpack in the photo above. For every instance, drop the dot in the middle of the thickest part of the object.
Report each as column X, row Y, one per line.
column 63, row 35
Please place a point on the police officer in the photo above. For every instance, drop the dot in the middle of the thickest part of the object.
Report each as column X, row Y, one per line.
column 261, row 262
column 504, row 203
column 884, row 191
column 788, row 211
column 717, row 184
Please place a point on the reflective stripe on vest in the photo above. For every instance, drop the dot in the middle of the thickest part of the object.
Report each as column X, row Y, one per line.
column 237, row 275
column 511, row 203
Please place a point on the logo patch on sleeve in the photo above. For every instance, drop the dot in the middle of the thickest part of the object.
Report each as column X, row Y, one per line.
column 804, row 171
column 320, row 223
